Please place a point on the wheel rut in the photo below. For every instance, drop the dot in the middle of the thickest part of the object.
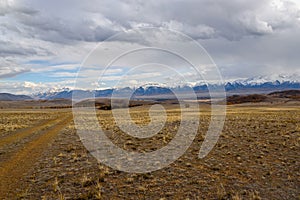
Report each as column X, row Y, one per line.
column 22, row 160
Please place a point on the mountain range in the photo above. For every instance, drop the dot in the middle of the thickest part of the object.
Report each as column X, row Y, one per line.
column 254, row 85
column 12, row 97
column 260, row 84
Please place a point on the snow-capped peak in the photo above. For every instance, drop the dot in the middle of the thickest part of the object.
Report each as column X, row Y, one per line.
column 273, row 78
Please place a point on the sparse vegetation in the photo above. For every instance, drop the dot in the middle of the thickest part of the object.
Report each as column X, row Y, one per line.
column 256, row 157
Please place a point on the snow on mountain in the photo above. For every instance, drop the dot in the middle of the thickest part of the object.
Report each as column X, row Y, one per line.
column 273, row 78
column 49, row 93
column 260, row 83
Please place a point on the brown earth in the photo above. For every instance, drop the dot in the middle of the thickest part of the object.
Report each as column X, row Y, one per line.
column 256, row 157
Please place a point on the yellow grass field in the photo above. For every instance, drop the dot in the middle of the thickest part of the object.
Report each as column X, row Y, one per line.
column 257, row 157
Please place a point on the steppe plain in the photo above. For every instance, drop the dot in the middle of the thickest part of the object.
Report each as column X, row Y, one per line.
column 256, row 157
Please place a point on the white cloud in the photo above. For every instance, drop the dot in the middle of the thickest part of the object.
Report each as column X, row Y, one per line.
column 29, row 87
column 8, row 68
column 200, row 31
column 243, row 37
column 254, row 25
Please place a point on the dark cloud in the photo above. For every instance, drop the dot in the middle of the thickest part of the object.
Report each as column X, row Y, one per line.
column 12, row 7
column 95, row 21
column 243, row 37
column 59, row 30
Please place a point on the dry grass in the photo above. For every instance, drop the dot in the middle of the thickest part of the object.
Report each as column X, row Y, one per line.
column 12, row 120
column 256, row 157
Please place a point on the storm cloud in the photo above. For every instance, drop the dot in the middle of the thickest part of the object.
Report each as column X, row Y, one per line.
column 245, row 38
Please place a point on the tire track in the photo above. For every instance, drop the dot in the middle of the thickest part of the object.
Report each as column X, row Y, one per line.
column 22, row 161
column 23, row 133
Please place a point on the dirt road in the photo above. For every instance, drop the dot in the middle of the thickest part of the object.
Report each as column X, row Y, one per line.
column 20, row 158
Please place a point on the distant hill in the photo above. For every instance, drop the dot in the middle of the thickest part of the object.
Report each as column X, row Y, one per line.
column 22, row 101
column 293, row 94
column 252, row 98
column 13, row 97
column 278, row 96
column 36, row 104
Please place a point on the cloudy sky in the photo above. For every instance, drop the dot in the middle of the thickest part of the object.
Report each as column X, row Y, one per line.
column 43, row 43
